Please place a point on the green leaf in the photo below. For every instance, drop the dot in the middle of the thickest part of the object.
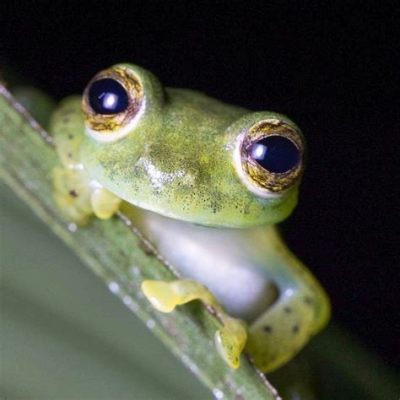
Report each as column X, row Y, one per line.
column 116, row 252
column 332, row 366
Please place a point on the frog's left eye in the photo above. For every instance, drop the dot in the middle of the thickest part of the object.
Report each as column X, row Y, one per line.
column 276, row 154
column 270, row 157
column 112, row 103
column 108, row 96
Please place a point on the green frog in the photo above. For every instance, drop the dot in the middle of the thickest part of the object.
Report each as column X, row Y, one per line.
column 206, row 183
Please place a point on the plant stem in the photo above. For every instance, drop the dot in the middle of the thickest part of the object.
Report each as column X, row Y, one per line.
column 117, row 253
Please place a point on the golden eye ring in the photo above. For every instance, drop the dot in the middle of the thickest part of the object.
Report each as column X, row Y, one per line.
column 271, row 156
column 111, row 102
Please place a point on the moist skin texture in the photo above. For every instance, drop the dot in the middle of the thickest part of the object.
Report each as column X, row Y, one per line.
column 176, row 167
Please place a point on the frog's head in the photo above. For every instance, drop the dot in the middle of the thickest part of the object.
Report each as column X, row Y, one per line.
column 184, row 155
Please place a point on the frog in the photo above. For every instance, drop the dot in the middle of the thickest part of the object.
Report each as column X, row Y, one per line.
column 206, row 183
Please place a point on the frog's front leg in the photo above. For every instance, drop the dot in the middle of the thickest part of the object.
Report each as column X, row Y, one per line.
column 74, row 191
column 165, row 296
column 78, row 197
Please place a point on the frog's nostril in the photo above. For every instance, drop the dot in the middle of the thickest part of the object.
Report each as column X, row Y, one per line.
column 276, row 154
column 107, row 96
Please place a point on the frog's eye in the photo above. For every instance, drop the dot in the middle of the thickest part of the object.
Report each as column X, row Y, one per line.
column 112, row 103
column 108, row 96
column 271, row 157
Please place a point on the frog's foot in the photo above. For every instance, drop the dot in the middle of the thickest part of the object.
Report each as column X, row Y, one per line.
column 165, row 296
column 78, row 199
column 230, row 340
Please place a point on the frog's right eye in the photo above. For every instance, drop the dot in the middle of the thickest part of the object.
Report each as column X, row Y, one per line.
column 112, row 103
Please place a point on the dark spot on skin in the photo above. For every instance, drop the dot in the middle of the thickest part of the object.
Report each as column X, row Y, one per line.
column 287, row 310
column 246, row 209
column 73, row 193
column 267, row 329
column 308, row 300
column 295, row 328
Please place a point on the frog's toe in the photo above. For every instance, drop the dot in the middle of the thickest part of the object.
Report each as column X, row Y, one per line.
column 165, row 296
column 227, row 349
column 230, row 344
column 160, row 294
column 104, row 203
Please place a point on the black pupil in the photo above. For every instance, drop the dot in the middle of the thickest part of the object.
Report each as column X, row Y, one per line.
column 276, row 154
column 107, row 96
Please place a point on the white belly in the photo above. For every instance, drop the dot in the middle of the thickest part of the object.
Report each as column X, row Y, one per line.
column 219, row 259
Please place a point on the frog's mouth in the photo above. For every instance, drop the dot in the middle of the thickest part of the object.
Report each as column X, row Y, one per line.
column 214, row 257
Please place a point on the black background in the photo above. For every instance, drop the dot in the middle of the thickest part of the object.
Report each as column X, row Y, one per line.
column 331, row 68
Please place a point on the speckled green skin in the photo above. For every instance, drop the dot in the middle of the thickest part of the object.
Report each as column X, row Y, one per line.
column 178, row 161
